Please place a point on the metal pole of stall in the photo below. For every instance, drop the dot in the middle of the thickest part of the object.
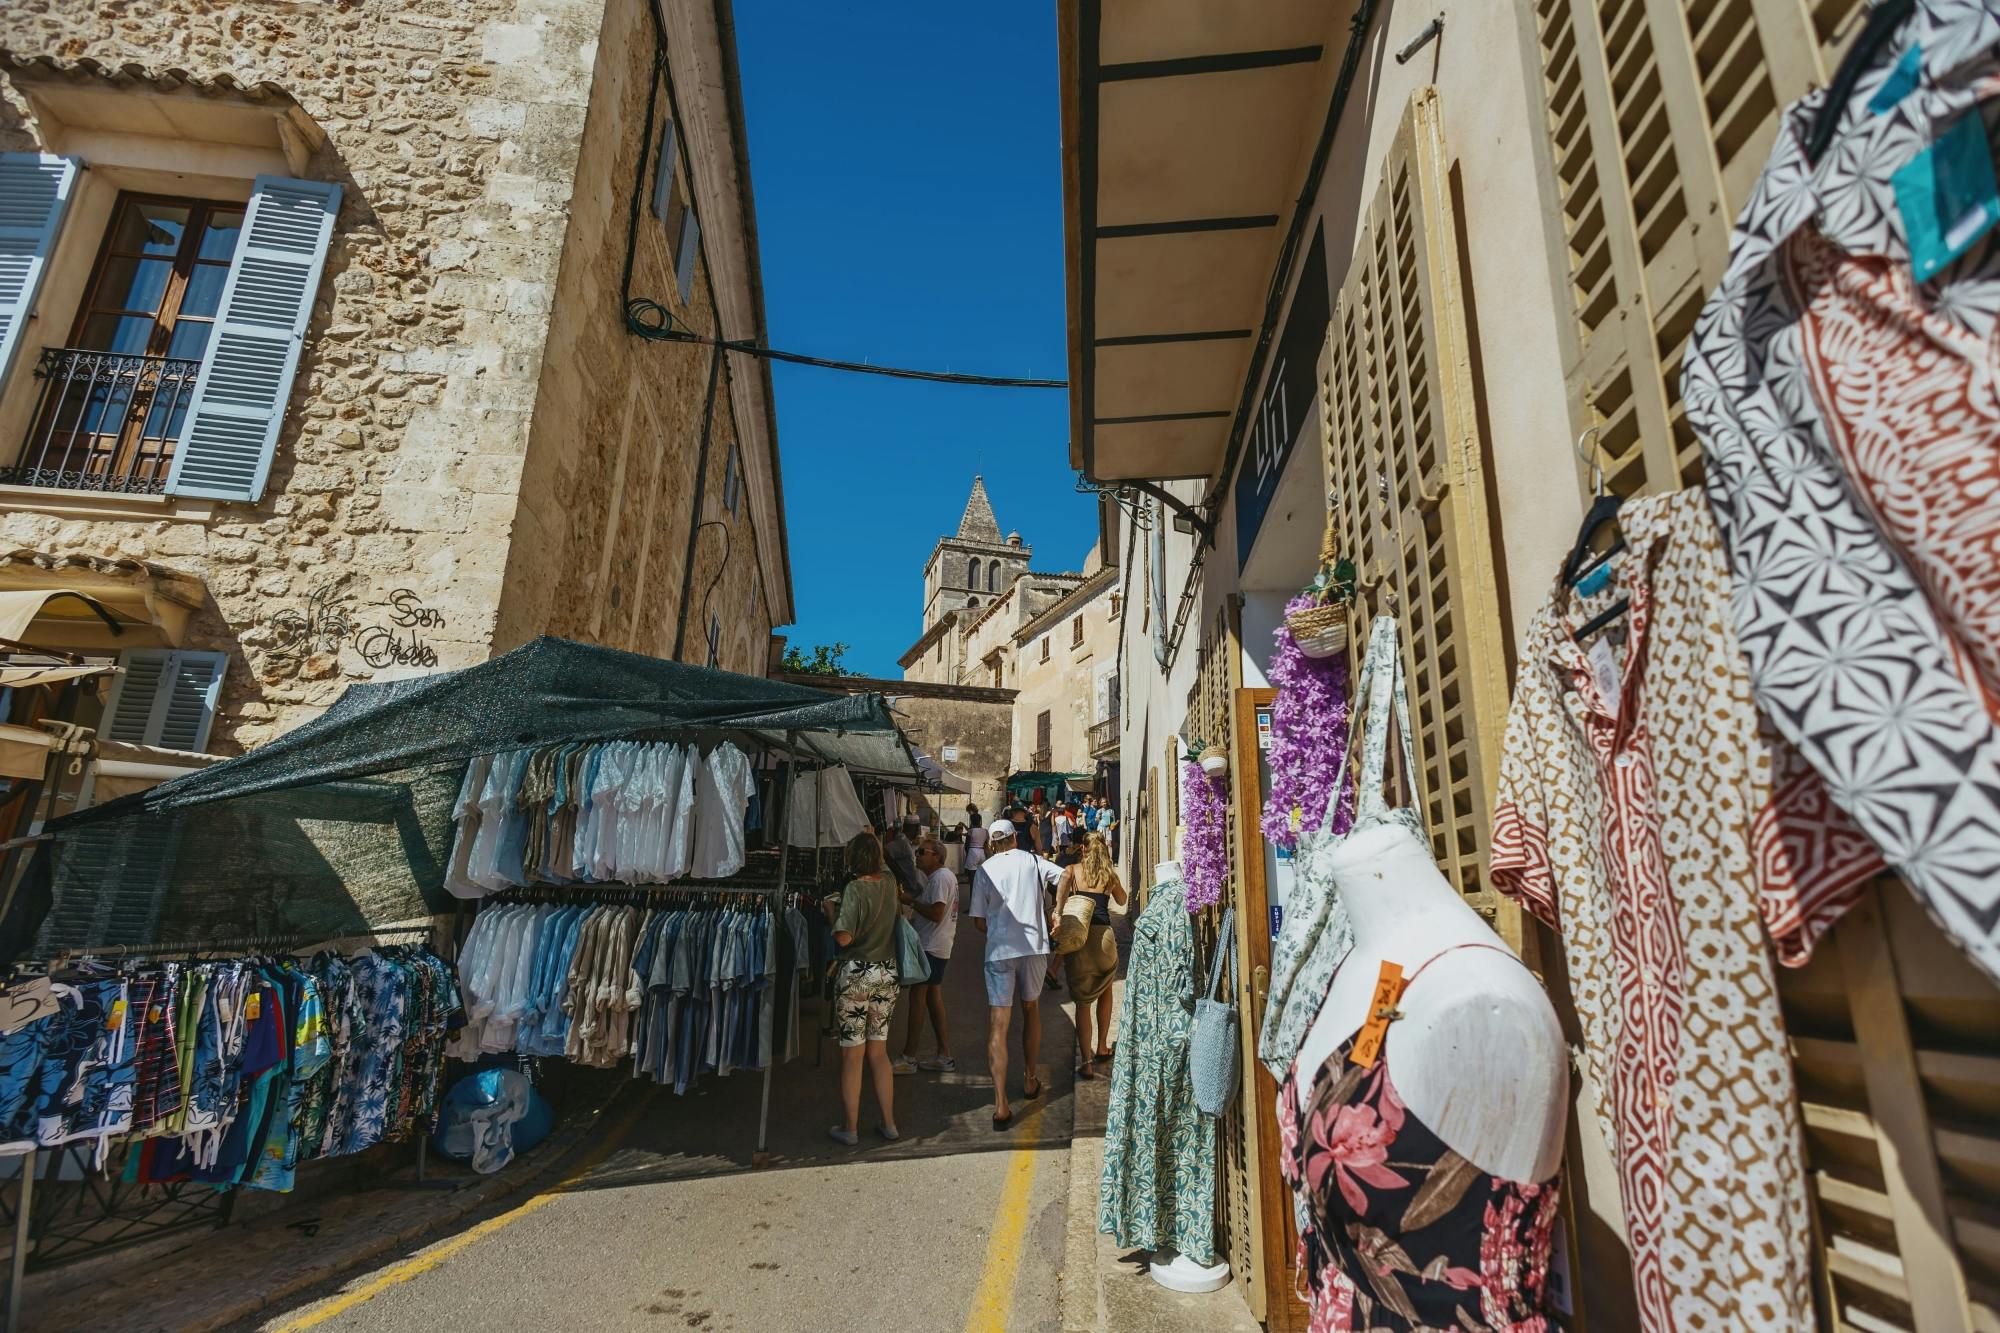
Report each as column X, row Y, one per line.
column 762, row 1157
column 24, row 1210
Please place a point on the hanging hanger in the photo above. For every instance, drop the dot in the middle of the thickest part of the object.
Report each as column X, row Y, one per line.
column 1582, row 561
column 1604, row 506
column 1882, row 23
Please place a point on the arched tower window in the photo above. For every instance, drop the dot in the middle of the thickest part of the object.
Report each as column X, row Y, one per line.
column 972, row 573
column 993, row 577
column 971, row 602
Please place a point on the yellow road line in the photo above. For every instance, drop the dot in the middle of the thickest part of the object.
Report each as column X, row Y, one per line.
column 993, row 1300
column 418, row 1265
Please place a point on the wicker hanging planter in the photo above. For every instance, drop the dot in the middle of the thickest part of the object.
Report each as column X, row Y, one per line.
column 1321, row 628
column 1214, row 760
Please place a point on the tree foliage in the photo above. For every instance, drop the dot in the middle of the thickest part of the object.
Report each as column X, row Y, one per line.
column 823, row 661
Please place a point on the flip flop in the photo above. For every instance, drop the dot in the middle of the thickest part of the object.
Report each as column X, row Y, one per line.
column 1032, row 1095
column 1003, row 1121
column 1084, row 1070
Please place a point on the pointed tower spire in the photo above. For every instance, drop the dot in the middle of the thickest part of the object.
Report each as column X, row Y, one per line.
column 978, row 523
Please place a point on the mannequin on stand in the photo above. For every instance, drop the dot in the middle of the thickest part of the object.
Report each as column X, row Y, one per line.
column 1477, row 1054
column 1447, row 1143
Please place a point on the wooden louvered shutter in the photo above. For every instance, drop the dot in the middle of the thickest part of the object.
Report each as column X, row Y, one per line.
column 164, row 697
column 253, row 352
column 1660, row 114
column 1406, row 470
column 35, row 190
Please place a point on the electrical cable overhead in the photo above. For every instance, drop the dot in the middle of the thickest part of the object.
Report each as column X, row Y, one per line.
column 652, row 320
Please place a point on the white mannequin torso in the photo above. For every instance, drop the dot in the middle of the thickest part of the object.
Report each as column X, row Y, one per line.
column 1477, row 1055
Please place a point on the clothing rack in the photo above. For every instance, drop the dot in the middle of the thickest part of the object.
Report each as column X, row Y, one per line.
column 238, row 945
column 719, row 889
column 31, row 1163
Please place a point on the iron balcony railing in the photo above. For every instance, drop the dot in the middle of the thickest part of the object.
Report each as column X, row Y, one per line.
column 107, row 421
column 1038, row 762
column 1103, row 737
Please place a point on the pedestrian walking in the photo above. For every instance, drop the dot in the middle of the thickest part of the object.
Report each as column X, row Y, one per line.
column 1107, row 824
column 1063, row 826
column 1010, row 910
column 864, row 927
column 975, row 842
column 1092, row 968
column 937, row 924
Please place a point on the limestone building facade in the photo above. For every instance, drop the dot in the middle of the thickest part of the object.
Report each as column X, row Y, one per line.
column 313, row 368
column 1051, row 639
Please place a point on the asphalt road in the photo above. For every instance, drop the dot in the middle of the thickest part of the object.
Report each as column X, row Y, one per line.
column 956, row 1227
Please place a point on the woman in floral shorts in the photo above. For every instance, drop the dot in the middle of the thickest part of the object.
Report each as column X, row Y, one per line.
column 865, row 930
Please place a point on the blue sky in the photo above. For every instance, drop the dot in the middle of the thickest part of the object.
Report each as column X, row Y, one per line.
column 908, row 170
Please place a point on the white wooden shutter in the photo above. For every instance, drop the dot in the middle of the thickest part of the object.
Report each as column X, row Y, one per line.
column 690, row 246
column 35, row 190
column 239, row 397
column 164, row 697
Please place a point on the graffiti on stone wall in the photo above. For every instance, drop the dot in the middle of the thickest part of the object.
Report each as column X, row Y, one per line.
column 392, row 636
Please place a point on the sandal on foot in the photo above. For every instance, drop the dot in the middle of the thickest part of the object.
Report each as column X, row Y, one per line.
column 845, row 1136
column 1003, row 1121
column 1032, row 1095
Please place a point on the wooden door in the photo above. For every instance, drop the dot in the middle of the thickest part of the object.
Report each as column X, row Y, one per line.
column 1284, row 1312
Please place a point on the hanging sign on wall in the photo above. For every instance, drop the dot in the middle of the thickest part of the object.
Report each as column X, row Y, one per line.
column 1288, row 400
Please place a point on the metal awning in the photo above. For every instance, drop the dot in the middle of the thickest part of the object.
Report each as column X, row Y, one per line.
column 1186, row 132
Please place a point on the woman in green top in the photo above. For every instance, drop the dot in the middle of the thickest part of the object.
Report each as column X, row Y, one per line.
column 865, row 930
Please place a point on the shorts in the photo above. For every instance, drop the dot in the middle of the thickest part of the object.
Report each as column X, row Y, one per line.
column 1006, row 977
column 937, row 969
column 867, row 998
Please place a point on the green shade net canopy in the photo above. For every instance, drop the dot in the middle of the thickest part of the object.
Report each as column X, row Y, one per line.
column 345, row 823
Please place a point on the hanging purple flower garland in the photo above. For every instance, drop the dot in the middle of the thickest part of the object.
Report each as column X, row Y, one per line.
column 1204, row 849
column 1308, row 738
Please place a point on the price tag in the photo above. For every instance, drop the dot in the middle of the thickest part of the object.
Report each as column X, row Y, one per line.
column 117, row 1019
column 1381, row 1010
column 1948, row 196
column 253, row 1006
column 1610, row 680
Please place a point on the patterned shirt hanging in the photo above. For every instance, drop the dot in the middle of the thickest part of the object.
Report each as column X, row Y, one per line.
column 1645, row 814
column 1848, row 414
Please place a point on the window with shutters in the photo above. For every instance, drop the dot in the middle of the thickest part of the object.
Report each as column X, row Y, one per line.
column 1406, row 469
column 183, row 351
column 732, row 484
column 1045, row 647
column 164, row 697
column 117, row 394
column 1076, row 631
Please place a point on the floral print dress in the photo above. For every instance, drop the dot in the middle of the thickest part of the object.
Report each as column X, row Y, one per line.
column 1399, row 1231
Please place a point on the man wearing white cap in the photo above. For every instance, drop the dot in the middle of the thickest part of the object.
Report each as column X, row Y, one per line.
column 1009, row 908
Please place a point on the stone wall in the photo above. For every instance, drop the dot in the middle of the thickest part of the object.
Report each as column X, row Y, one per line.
column 1065, row 685
column 469, row 421
column 609, row 492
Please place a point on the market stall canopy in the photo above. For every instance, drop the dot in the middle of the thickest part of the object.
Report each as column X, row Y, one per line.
column 21, row 676
column 546, row 691
column 24, row 751
column 347, row 822
column 1025, row 783
column 83, row 603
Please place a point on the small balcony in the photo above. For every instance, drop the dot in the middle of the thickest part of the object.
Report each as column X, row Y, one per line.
column 106, row 421
column 1104, row 738
column 1039, row 761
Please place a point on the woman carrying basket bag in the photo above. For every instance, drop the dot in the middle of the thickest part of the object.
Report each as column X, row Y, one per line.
column 1089, row 950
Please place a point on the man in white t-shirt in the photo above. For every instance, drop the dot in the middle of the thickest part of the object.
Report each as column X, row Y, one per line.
column 1009, row 908
column 937, row 924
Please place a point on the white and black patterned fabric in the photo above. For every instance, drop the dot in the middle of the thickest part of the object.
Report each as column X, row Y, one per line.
column 1847, row 649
